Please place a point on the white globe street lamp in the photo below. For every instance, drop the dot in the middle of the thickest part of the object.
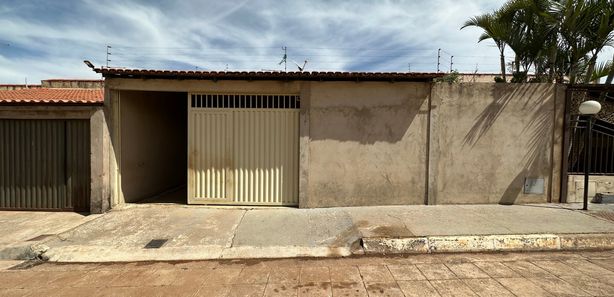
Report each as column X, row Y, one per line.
column 588, row 108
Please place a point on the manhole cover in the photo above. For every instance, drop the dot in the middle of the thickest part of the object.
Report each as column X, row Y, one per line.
column 40, row 237
column 155, row 243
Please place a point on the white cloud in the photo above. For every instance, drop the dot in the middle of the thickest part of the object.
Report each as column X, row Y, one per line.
column 333, row 35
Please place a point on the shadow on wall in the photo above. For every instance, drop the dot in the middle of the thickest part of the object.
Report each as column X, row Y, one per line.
column 535, row 101
column 385, row 122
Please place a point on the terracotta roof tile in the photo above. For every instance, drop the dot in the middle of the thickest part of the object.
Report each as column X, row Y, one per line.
column 267, row 75
column 53, row 96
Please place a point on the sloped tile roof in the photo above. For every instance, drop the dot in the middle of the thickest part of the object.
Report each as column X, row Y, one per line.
column 267, row 75
column 52, row 96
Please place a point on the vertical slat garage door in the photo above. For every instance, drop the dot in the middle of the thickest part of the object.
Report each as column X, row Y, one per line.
column 45, row 164
column 243, row 149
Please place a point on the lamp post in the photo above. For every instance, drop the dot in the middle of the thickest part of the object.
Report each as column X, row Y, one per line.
column 588, row 108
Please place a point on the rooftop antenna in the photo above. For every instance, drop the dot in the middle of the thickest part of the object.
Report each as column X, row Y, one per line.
column 408, row 67
column 438, row 59
column 284, row 60
column 300, row 68
column 108, row 54
column 26, row 80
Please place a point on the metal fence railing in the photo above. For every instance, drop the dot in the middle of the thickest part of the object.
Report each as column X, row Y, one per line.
column 602, row 147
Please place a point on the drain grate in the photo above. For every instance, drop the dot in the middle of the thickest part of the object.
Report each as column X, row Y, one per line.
column 156, row 243
column 40, row 237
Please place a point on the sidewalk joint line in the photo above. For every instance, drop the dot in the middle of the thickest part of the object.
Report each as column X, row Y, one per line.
column 234, row 234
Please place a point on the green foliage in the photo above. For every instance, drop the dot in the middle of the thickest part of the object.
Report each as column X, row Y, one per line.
column 499, row 79
column 559, row 40
column 519, row 77
column 452, row 77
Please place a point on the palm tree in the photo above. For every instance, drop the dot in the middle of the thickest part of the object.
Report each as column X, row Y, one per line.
column 494, row 30
column 557, row 39
column 600, row 33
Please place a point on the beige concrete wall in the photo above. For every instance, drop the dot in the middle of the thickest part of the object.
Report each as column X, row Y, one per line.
column 73, row 83
column 596, row 184
column 379, row 143
column 153, row 143
column 488, row 138
column 367, row 143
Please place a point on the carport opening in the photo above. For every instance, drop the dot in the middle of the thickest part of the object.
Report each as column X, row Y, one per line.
column 154, row 137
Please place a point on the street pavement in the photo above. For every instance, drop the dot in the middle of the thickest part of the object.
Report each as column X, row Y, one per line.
column 491, row 274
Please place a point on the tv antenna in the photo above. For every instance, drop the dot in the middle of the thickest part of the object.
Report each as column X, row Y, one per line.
column 284, row 60
column 300, row 68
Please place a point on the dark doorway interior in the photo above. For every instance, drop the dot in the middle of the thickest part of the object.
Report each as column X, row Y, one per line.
column 154, row 146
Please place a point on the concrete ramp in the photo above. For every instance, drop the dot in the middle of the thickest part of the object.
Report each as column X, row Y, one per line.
column 295, row 233
column 196, row 233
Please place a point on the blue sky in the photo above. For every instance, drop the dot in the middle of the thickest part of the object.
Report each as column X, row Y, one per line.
column 50, row 39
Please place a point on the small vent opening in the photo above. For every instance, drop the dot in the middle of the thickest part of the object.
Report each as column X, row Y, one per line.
column 245, row 101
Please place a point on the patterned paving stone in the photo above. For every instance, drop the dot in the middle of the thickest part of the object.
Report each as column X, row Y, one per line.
column 510, row 274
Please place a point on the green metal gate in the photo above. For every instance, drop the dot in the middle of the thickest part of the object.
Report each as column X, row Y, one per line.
column 44, row 164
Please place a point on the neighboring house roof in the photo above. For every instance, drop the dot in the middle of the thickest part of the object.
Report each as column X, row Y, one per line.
column 53, row 96
column 18, row 86
column 266, row 75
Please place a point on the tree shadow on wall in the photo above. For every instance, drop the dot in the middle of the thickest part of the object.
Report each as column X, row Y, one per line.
column 536, row 101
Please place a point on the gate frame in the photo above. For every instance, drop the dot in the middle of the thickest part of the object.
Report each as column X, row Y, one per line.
column 231, row 202
column 566, row 130
column 93, row 113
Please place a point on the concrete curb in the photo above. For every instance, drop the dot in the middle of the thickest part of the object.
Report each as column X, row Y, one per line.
column 191, row 253
column 488, row 243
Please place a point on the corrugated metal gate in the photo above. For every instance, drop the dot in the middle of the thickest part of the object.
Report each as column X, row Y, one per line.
column 243, row 149
column 45, row 164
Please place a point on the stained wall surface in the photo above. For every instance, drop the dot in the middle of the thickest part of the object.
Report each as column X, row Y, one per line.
column 487, row 139
column 380, row 143
column 368, row 143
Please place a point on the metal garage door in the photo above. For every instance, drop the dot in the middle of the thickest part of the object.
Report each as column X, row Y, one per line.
column 243, row 149
column 44, row 164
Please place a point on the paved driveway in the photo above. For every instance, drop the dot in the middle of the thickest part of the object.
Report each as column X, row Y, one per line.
column 21, row 229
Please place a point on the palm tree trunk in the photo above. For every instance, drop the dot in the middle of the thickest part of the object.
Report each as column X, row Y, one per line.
column 503, row 66
column 610, row 77
column 591, row 68
column 608, row 80
column 553, row 56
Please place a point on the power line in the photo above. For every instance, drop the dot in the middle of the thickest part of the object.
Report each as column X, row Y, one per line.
column 271, row 47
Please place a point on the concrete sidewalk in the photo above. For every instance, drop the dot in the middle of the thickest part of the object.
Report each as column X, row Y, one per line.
column 196, row 232
column 22, row 231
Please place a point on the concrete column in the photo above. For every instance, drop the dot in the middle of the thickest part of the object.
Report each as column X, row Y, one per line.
column 304, row 140
column 432, row 163
column 557, row 144
column 111, row 109
column 99, row 194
